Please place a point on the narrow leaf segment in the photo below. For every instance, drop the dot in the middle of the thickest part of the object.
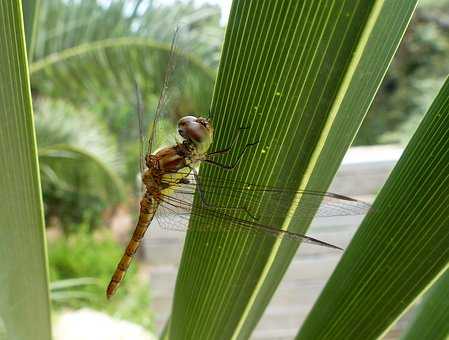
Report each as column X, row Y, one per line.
column 300, row 75
column 400, row 248
column 24, row 299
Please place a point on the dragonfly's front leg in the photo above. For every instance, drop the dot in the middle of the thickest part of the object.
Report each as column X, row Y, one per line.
column 224, row 151
column 229, row 148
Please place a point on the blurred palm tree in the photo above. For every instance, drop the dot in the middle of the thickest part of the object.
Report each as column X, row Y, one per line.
column 79, row 163
column 92, row 53
column 88, row 55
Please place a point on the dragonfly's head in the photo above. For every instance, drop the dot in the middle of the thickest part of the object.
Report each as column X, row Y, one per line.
column 196, row 130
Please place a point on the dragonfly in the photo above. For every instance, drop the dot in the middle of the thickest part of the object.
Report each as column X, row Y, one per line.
column 171, row 180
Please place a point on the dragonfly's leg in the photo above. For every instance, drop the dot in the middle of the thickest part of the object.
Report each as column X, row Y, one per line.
column 232, row 166
column 204, row 203
column 229, row 148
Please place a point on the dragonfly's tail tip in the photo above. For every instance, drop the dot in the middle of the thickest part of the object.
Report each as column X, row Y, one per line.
column 110, row 291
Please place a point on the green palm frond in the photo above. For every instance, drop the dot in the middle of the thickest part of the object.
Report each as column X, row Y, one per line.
column 59, row 123
column 431, row 320
column 62, row 25
column 301, row 74
column 24, row 298
column 402, row 245
column 78, row 157
column 92, row 55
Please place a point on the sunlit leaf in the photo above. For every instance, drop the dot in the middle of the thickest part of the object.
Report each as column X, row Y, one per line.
column 400, row 248
column 431, row 321
column 24, row 298
column 301, row 75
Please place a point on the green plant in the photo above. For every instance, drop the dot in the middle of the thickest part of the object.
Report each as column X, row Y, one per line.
column 24, row 299
column 430, row 321
column 401, row 246
column 87, row 259
column 413, row 79
column 79, row 161
column 302, row 75
column 92, row 54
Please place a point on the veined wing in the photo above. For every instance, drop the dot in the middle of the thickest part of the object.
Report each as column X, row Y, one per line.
column 258, row 209
column 186, row 88
column 140, row 110
column 250, row 196
column 163, row 97
column 170, row 218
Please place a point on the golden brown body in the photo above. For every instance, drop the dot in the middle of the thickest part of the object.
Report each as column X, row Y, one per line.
column 165, row 170
column 148, row 206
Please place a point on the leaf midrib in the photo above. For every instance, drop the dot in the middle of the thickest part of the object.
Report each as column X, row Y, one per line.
column 85, row 48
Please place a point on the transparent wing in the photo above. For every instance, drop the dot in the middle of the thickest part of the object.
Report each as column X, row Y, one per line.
column 171, row 218
column 186, row 88
column 140, row 110
column 252, row 197
column 251, row 213
column 163, row 97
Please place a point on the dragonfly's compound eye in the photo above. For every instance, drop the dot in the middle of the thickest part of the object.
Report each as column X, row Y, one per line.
column 195, row 129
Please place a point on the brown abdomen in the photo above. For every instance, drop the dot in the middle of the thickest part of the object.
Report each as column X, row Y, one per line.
column 148, row 206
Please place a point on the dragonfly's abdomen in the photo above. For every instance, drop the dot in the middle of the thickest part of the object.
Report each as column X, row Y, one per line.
column 148, row 206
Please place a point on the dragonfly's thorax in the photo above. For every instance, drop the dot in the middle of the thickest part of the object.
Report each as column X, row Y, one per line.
column 172, row 159
column 172, row 164
column 167, row 168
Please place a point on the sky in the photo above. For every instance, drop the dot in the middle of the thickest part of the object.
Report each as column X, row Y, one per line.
column 224, row 4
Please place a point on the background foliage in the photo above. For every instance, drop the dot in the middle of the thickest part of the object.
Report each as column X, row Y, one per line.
column 88, row 256
column 83, row 89
column 24, row 300
column 84, row 60
column 303, row 83
column 413, row 79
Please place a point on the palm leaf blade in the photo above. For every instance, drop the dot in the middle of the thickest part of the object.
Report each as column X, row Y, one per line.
column 400, row 248
column 24, row 298
column 302, row 76
column 431, row 319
